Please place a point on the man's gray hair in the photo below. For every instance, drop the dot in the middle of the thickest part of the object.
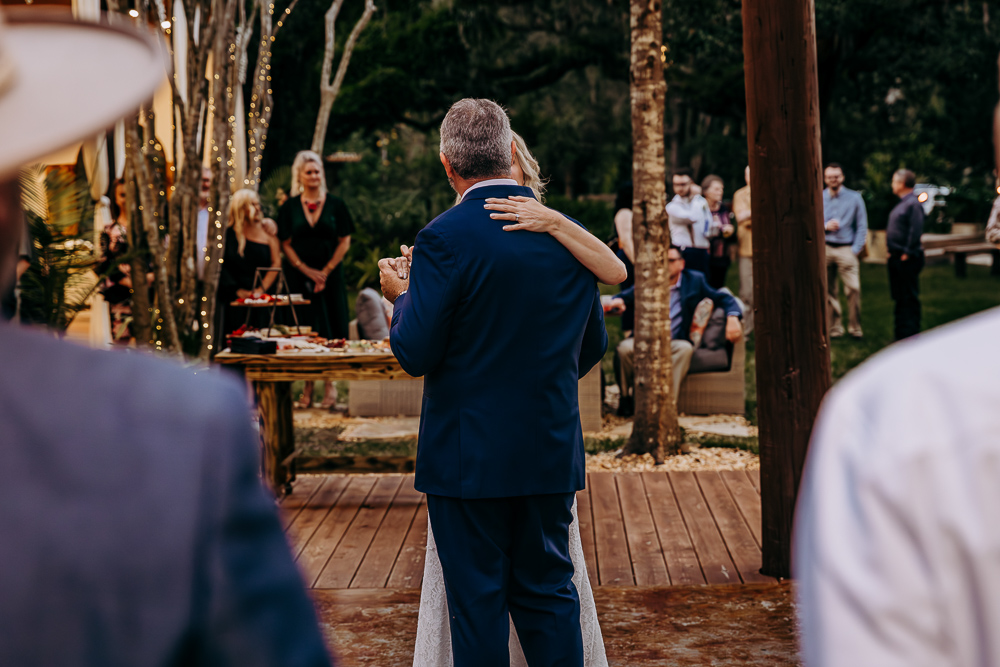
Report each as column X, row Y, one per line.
column 476, row 137
column 908, row 178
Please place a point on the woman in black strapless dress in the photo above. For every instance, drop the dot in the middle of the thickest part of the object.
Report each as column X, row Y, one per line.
column 248, row 247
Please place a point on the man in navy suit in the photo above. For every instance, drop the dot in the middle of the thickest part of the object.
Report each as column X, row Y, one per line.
column 501, row 325
column 687, row 290
column 133, row 526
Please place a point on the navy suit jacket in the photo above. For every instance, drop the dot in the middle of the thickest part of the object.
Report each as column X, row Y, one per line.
column 501, row 325
column 694, row 289
column 133, row 526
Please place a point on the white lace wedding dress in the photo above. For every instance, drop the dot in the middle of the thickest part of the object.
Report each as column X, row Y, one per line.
column 433, row 647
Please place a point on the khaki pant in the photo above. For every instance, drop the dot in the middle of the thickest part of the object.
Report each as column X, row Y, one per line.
column 843, row 262
column 746, row 292
column 680, row 353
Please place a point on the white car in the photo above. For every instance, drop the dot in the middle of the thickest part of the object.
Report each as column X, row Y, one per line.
column 931, row 196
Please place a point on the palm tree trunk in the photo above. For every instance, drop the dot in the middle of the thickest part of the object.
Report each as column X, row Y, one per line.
column 655, row 430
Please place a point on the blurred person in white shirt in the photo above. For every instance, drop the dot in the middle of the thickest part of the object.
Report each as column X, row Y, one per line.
column 897, row 547
column 691, row 222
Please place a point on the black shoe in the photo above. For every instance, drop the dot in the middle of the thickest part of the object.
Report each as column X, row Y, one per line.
column 626, row 406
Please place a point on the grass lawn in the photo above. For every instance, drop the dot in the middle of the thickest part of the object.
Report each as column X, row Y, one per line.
column 945, row 299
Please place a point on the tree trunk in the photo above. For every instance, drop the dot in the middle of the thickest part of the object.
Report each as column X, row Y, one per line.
column 655, row 429
column 142, row 329
column 793, row 355
column 261, row 102
column 224, row 100
column 165, row 327
column 328, row 88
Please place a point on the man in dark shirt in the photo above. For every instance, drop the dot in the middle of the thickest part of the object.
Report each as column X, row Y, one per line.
column 906, row 255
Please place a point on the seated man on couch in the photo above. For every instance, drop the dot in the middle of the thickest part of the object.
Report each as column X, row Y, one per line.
column 687, row 290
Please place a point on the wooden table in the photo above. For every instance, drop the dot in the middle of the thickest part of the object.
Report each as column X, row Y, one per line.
column 272, row 376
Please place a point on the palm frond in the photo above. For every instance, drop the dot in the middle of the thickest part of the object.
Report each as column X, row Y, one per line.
column 33, row 197
column 279, row 178
column 68, row 198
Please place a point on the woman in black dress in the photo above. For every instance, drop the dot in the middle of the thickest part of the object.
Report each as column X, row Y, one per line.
column 315, row 231
column 248, row 248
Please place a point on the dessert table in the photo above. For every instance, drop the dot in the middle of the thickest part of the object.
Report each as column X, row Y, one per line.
column 272, row 376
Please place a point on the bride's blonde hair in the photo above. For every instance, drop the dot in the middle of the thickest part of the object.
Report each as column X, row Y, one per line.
column 302, row 158
column 529, row 166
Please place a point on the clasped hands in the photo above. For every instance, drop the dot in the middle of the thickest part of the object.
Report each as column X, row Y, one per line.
column 317, row 276
column 394, row 273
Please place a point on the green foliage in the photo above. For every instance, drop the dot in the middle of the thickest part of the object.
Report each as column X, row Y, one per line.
column 971, row 201
column 919, row 95
column 397, row 188
column 279, row 179
column 594, row 214
column 58, row 281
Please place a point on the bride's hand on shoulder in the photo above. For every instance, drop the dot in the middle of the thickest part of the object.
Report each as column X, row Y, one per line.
column 526, row 213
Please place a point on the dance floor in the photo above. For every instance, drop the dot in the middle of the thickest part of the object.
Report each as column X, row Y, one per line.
column 638, row 529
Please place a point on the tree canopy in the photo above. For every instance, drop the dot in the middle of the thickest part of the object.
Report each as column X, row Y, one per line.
column 902, row 82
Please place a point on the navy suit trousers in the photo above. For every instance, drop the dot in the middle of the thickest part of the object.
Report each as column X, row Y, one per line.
column 509, row 555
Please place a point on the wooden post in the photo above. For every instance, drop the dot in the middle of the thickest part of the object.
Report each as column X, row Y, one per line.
column 274, row 402
column 793, row 356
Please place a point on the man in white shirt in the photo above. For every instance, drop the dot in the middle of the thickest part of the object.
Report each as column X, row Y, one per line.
column 897, row 543
column 201, row 237
column 691, row 222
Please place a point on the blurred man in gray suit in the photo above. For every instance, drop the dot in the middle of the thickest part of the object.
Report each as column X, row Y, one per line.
column 133, row 527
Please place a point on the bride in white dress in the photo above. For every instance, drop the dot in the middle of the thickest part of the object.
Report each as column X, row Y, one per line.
column 433, row 645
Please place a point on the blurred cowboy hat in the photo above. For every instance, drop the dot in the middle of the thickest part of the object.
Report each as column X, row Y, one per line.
column 63, row 80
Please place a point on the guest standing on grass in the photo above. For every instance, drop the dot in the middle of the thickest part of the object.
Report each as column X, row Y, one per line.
column 906, row 254
column 845, row 221
column 315, row 231
column 713, row 189
column 691, row 223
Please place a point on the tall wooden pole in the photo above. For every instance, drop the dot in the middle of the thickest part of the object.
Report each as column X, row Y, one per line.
column 793, row 356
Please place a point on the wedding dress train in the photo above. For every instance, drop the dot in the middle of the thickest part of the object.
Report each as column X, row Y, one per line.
column 433, row 646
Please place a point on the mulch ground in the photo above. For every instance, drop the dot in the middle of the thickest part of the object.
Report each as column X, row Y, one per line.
column 724, row 626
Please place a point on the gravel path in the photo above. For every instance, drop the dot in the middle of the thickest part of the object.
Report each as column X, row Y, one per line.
column 698, row 458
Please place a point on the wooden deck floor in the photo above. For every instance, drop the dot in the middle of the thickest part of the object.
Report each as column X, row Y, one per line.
column 638, row 529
